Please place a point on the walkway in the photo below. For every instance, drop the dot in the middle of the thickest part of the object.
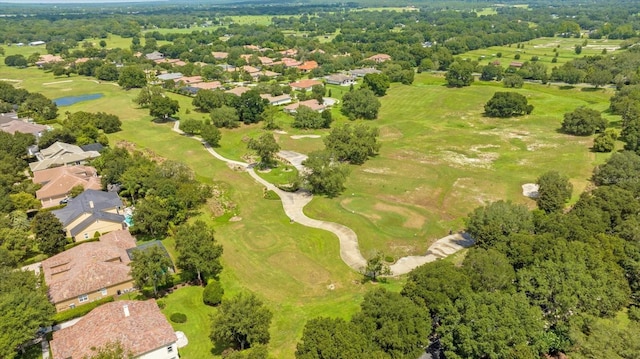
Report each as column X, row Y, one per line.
column 294, row 202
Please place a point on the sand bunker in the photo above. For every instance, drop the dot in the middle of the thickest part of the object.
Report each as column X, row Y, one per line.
column 530, row 190
column 297, row 137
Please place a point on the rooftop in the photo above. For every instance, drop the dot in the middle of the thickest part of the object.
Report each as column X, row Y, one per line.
column 138, row 325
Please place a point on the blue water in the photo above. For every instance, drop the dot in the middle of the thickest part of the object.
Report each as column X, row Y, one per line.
column 70, row 100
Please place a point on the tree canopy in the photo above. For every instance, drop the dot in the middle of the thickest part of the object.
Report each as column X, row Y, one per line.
column 583, row 121
column 360, row 103
column 198, row 251
column 507, row 104
column 241, row 322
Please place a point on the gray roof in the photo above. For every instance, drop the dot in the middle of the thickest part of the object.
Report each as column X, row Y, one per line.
column 170, row 76
column 90, row 201
column 93, row 147
column 364, row 71
column 154, row 56
column 8, row 117
column 147, row 245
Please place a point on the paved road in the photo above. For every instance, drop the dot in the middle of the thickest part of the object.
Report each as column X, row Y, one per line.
column 293, row 204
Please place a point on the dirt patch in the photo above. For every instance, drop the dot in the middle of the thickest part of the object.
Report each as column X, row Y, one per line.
column 280, row 132
column 297, row 137
column 483, row 159
column 390, row 133
column 539, row 145
column 235, row 219
column 413, row 220
column 377, row 170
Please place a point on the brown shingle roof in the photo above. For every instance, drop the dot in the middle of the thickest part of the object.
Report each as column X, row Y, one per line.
column 238, row 91
column 218, row 55
column 59, row 181
column 23, row 127
column 312, row 104
column 89, row 266
column 145, row 329
column 207, row 85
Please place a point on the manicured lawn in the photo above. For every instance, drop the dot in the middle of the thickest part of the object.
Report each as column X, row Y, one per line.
column 543, row 48
column 282, row 174
column 188, row 301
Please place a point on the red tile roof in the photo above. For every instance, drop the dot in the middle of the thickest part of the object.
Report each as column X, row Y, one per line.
column 143, row 330
column 238, row 90
column 305, row 84
column 308, row 66
column 89, row 266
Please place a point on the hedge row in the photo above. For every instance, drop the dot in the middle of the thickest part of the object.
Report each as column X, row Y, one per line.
column 80, row 310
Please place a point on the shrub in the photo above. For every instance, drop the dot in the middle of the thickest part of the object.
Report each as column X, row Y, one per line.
column 213, row 293
column 178, row 318
column 634, row 313
column 80, row 310
column 161, row 304
column 605, row 142
column 389, row 259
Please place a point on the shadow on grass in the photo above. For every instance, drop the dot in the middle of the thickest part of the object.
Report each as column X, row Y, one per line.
column 219, row 347
column 566, row 87
column 592, row 89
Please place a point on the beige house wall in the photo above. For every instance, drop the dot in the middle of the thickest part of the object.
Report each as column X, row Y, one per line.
column 93, row 296
column 52, row 201
column 97, row 226
column 76, row 222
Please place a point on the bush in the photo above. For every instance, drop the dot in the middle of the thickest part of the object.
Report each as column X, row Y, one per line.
column 178, row 318
column 271, row 195
column 79, row 311
column 161, row 304
column 389, row 259
column 634, row 313
column 605, row 142
column 213, row 293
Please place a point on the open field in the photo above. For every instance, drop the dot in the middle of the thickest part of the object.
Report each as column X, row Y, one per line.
column 543, row 48
column 440, row 158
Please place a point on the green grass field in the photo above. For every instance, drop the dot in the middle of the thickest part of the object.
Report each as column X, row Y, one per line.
column 543, row 48
column 440, row 158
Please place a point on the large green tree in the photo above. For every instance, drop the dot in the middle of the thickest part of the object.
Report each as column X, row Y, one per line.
column 211, row 134
column 507, row 104
column 241, row 322
column 225, row 116
column 307, row 118
column 491, row 224
column 361, row 103
column 460, row 74
column 554, row 191
column 583, row 121
column 394, row 324
column 250, row 107
column 492, row 325
column 207, row 100
column 50, row 235
column 325, row 175
column 488, row 270
column 378, row 83
column 332, row 339
column 131, row 77
column 151, row 267
column 198, row 251
column 163, row 107
column 376, row 266
column 266, row 147
column 39, row 107
column 354, row 144
column 24, row 308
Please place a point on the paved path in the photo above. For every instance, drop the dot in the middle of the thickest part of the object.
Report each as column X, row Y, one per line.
column 294, row 202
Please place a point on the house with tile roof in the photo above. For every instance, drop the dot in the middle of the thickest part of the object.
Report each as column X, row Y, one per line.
column 304, row 85
column 364, row 71
column 61, row 154
column 288, row 62
column 90, row 212
column 153, row 56
column 90, row 271
column 238, row 91
column 57, row 182
column 378, row 58
column 48, row 59
column 308, row 66
column 139, row 326
column 23, row 127
column 219, row 55
column 313, row 104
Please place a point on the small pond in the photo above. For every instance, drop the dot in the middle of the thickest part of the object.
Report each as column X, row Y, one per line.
column 70, row 100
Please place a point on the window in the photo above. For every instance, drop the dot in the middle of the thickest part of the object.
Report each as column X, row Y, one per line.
column 71, row 306
column 103, row 291
column 170, row 349
column 83, row 298
column 86, row 236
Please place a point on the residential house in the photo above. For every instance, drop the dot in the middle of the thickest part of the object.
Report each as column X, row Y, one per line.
column 189, row 80
column 304, row 85
column 61, row 154
column 206, row 85
column 174, row 62
column 308, row 66
column 154, row 56
column 90, row 271
column 265, row 61
column 173, row 76
column 378, row 58
column 340, row 79
column 48, row 59
column 312, row 104
column 288, row 62
column 277, row 100
column 98, row 147
column 219, row 55
column 23, row 127
column 57, row 182
column 289, row 52
column 252, row 47
column 250, row 69
column 90, row 212
column 364, row 71
column 516, row 64
column 139, row 326
column 268, row 73
column 238, row 91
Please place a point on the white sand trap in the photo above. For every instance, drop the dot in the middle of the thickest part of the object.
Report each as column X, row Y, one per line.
column 10, row 80
column 297, row 137
column 56, row 82
column 530, row 190
column 280, row 132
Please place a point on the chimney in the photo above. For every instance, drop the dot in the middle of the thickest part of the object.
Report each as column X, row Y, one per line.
column 91, row 204
column 126, row 310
